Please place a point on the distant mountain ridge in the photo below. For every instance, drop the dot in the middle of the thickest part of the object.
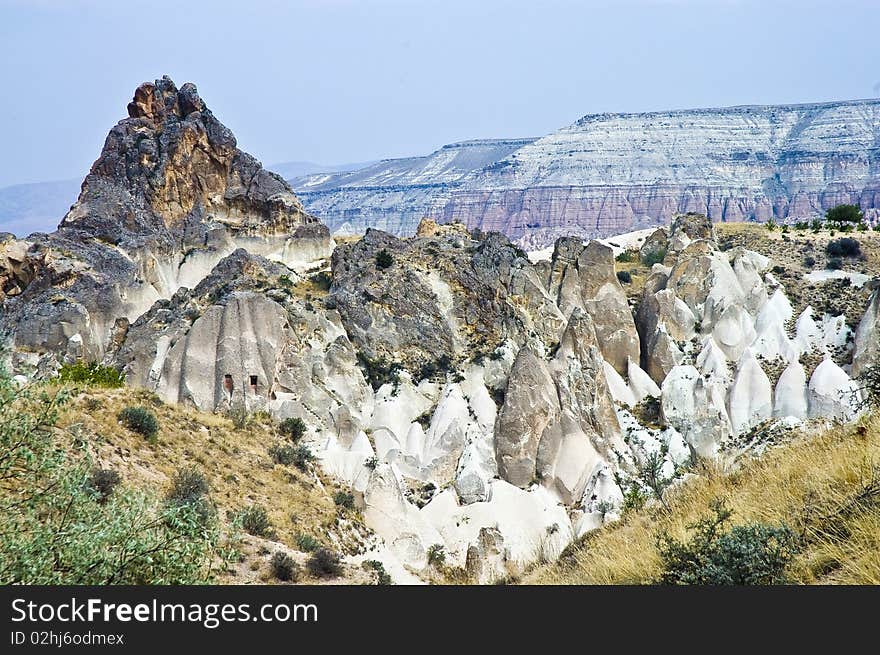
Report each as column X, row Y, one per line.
column 610, row 173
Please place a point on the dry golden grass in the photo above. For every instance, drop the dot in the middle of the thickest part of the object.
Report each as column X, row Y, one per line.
column 819, row 485
column 235, row 462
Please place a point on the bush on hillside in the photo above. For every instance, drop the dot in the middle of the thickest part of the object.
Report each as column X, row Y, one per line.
column 382, row 576
column 344, row 499
column 307, row 543
column 283, row 454
column 624, row 276
column 284, row 567
column 654, row 257
column 844, row 247
column 188, row 486
column 324, row 563
column 292, row 428
column 254, row 520
column 379, row 371
column 140, row 420
column 751, row 554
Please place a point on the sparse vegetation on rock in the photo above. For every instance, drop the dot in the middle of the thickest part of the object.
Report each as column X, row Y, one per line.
column 140, row 420
column 324, row 563
column 92, row 374
column 284, row 567
column 752, row 554
column 292, row 428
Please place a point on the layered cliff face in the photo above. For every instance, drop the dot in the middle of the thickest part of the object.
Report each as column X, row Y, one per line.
column 612, row 173
column 169, row 196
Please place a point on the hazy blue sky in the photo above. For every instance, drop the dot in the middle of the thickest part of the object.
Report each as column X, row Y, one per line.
column 335, row 81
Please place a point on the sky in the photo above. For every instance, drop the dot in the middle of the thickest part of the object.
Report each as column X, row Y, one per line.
column 338, row 81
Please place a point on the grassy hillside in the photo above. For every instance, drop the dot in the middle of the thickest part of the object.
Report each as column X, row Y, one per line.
column 824, row 487
column 77, row 466
column 233, row 455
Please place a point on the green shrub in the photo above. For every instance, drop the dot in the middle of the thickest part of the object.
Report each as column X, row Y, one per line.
column 379, row 371
column 254, row 520
column 771, row 225
column 344, row 499
column 624, row 276
column 834, row 264
column 809, row 261
column 284, row 567
column 436, row 555
column 285, row 281
column 441, row 365
column 307, row 543
column 140, row 420
column 283, row 454
column 654, row 257
column 816, row 224
column 59, row 525
column 384, row 259
column 843, row 247
column 92, row 374
column 292, row 428
column 626, row 257
column 324, row 563
column 188, row 486
column 302, row 457
column 753, row 554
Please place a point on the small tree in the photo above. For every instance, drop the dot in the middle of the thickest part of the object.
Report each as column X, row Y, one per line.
column 845, row 214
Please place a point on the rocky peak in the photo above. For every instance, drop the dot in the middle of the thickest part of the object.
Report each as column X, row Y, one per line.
column 168, row 198
column 172, row 167
column 156, row 101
